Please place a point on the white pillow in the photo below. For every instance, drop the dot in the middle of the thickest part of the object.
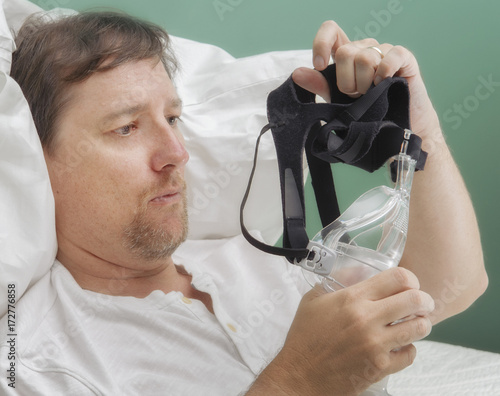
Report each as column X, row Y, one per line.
column 6, row 43
column 27, row 224
column 224, row 110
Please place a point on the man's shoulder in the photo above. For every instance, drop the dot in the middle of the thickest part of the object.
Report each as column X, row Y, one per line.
column 43, row 313
column 51, row 346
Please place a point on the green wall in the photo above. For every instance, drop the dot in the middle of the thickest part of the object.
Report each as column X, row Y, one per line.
column 457, row 44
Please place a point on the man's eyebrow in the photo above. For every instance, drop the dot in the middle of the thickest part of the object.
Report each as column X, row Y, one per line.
column 175, row 103
column 110, row 117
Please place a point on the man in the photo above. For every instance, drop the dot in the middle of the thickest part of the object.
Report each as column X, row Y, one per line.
column 117, row 315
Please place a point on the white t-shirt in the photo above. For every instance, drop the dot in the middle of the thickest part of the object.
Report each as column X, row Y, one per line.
column 72, row 341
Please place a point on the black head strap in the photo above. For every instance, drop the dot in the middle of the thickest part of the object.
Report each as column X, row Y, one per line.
column 364, row 132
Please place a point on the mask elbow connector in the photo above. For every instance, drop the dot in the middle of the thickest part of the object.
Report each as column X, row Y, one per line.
column 320, row 259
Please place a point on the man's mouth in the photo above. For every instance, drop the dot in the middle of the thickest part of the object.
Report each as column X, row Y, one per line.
column 167, row 198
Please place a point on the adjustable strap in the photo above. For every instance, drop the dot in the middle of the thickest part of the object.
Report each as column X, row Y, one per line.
column 295, row 210
column 323, row 186
column 363, row 132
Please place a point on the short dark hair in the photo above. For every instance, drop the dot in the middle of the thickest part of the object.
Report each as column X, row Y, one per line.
column 53, row 54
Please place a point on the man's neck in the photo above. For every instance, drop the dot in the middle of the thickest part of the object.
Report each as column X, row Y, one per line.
column 101, row 276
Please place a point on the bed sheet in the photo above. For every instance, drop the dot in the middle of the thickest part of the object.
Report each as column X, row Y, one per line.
column 448, row 370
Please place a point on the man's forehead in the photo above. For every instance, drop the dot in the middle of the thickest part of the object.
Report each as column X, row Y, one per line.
column 126, row 89
column 135, row 79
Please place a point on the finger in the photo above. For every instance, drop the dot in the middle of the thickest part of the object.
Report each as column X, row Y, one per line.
column 345, row 59
column 326, row 42
column 402, row 358
column 346, row 76
column 385, row 284
column 388, row 362
column 409, row 303
column 365, row 64
column 398, row 61
column 408, row 332
column 312, row 81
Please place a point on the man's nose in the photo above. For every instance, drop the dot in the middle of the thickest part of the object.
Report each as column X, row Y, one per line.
column 168, row 148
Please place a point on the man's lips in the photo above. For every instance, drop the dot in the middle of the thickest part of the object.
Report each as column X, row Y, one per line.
column 167, row 197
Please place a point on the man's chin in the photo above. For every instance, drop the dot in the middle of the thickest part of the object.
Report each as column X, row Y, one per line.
column 152, row 240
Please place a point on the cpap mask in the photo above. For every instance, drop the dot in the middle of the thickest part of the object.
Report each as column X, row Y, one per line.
column 367, row 132
column 369, row 237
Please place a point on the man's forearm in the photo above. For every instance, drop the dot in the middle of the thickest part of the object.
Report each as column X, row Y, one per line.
column 444, row 247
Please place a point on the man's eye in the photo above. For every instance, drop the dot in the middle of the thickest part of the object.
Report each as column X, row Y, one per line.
column 125, row 130
column 172, row 121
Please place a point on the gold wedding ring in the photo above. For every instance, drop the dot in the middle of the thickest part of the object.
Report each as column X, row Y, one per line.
column 379, row 51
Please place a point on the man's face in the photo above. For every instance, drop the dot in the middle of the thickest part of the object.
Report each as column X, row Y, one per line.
column 117, row 170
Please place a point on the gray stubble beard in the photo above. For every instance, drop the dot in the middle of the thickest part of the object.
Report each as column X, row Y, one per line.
column 152, row 243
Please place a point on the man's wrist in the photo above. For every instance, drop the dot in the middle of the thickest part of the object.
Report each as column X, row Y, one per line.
column 274, row 380
column 281, row 378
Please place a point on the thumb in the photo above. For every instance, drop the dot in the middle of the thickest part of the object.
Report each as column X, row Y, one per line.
column 312, row 81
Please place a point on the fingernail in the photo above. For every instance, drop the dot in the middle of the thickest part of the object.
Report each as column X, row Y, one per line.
column 319, row 62
column 377, row 80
